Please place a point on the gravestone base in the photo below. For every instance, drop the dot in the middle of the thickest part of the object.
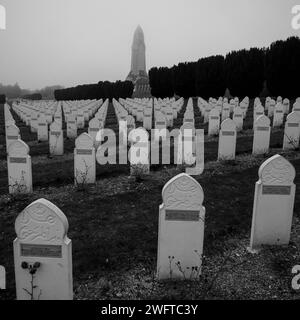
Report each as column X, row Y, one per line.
column 252, row 250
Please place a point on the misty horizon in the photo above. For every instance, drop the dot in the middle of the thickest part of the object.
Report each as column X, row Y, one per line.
column 69, row 43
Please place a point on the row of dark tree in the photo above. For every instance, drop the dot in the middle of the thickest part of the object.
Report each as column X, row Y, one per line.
column 15, row 91
column 254, row 72
column 101, row 90
column 34, row 96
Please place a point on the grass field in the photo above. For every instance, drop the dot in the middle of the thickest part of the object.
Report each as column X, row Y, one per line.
column 114, row 225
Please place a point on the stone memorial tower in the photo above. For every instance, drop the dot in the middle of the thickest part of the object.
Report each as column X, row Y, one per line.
column 138, row 74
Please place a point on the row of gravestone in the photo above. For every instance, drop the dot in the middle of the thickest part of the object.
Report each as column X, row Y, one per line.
column 39, row 116
column 165, row 111
column 55, row 132
column 43, row 251
column 87, row 150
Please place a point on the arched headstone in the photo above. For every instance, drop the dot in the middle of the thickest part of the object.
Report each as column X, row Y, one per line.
column 273, row 203
column 261, row 138
column 180, row 229
column 296, row 107
column 71, row 127
column 286, row 105
column 214, row 122
column 84, row 160
column 271, row 108
column 291, row 131
column 94, row 127
column 160, row 121
column 227, row 140
column 56, row 139
column 188, row 138
column 238, row 118
column 258, row 111
column 278, row 115
column 80, row 119
column 42, row 131
column 226, row 110
column 147, row 120
column 41, row 230
column 19, row 168
column 12, row 133
column 33, row 122
column 139, row 152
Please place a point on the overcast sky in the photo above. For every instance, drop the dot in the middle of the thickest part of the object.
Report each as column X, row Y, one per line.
column 70, row 42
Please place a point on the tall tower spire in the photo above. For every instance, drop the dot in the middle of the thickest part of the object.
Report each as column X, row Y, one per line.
column 138, row 55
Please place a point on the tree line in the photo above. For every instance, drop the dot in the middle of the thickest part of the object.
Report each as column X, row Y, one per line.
column 254, row 72
column 101, row 90
column 15, row 91
column 34, row 96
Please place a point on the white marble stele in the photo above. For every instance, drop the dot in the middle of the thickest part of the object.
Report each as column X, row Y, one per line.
column 180, row 229
column 273, row 203
column 19, row 168
column 84, row 160
column 41, row 230
column 262, row 133
column 227, row 140
column 56, row 139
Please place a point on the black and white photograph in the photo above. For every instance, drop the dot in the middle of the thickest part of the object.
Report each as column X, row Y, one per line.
column 149, row 153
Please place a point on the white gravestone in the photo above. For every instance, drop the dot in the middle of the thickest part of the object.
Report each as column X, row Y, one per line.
column 286, row 106
column 160, row 121
column 41, row 230
column 180, row 229
column 273, row 203
column 226, row 111
column 19, row 168
column 42, row 131
column 80, row 120
column 261, row 138
column 33, row 122
column 130, row 123
column 147, row 120
column 296, row 107
column 139, row 152
column 278, row 115
column 291, row 132
column 214, row 122
column 58, row 118
column 188, row 146
column 12, row 133
column 71, row 127
column 227, row 140
column 258, row 111
column 94, row 127
column 271, row 108
column 84, row 159
column 56, row 140
column 238, row 118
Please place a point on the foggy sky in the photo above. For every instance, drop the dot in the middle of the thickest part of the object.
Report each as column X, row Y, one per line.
column 70, row 42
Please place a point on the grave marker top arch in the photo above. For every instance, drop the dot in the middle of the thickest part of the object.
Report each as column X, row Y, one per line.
column 276, row 171
column 84, row 141
column 182, row 193
column 41, row 222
